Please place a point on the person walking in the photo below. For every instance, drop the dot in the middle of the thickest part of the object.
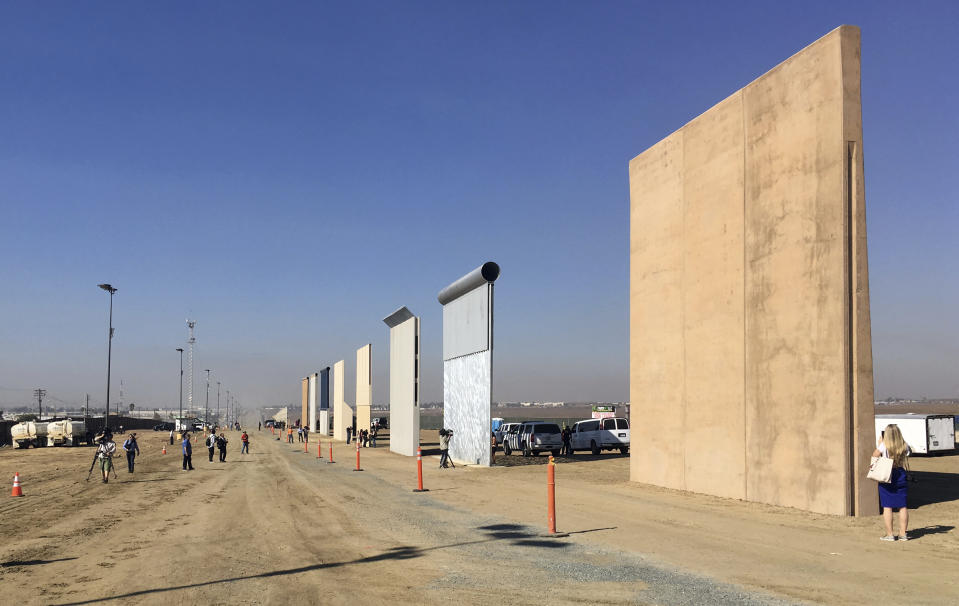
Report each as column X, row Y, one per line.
column 306, row 434
column 259, row 425
column 221, row 445
column 892, row 494
column 492, row 445
column 289, row 435
column 132, row 449
column 567, row 441
column 171, row 437
column 105, row 451
column 299, row 434
column 187, row 452
column 373, row 431
column 444, row 448
column 349, row 432
column 245, row 447
column 211, row 445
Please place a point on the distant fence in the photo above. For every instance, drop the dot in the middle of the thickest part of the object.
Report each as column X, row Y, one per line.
column 5, row 439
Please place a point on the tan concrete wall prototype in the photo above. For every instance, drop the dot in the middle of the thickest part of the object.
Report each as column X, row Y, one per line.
column 342, row 412
column 305, row 403
column 750, row 347
column 404, row 387
column 364, row 386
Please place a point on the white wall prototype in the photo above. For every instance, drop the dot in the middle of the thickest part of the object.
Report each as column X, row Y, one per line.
column 404, row 381
column 364, row 386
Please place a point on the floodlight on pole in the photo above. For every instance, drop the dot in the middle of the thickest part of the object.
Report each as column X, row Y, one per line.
column 111, row 290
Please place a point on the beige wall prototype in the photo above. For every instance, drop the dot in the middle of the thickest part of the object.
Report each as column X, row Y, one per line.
column 404, row 386
column 364, row 386
column 750, row 347
column 342, row 412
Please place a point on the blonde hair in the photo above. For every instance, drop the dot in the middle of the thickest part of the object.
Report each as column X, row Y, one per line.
column 896, row 448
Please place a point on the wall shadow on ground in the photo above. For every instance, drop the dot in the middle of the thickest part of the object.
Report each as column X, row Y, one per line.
column 517, row 535
column 930, row 487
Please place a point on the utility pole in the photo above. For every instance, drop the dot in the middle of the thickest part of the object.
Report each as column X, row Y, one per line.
column 206, row 412
column 111, row 290
column 39, row 393
column 217, row 402
column 191, row 324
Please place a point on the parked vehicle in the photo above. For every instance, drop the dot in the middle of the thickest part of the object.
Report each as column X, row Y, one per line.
column 381, row 423
column 68, row 433
column 923, row 433
column 503, row 430
column 533, row 437
column 163, row 427
column 29, row 433
column 597, row 435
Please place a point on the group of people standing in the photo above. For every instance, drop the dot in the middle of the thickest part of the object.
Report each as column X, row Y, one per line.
column 366, row 437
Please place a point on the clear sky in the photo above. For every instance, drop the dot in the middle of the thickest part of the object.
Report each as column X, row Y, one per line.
column 290, row 173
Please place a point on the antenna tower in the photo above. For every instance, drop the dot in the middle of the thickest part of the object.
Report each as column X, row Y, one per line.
column 191, row 324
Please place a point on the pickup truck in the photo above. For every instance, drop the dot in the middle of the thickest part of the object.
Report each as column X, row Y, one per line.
column 532, row 437
column 596, row 435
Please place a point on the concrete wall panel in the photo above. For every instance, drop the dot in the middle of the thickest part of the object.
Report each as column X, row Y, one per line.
column 750, row 349
column 364, row 386
column 404, row 387
column 312, row 401
column 324, row 422
column 713, row 301
column 304, row 400
column 656, row 313
column 342, row 412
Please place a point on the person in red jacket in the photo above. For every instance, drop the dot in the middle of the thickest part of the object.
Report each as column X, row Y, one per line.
column 245, row 439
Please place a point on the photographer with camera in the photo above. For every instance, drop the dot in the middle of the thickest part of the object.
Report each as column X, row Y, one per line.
column 445, row 436
column 106, row 448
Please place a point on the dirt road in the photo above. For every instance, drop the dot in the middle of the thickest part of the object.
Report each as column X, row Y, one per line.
column 280, row 526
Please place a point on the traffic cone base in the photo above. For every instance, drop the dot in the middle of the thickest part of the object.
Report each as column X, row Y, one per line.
column 17, row 491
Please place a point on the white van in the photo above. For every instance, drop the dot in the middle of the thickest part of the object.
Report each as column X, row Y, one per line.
column 596, row 435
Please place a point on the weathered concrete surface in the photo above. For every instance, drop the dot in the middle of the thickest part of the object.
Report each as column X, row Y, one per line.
column 750, row 347
column 364, row 386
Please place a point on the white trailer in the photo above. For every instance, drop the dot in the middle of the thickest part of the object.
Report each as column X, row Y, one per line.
column 923, row 433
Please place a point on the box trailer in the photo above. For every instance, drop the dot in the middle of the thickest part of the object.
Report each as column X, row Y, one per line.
column 923, row 433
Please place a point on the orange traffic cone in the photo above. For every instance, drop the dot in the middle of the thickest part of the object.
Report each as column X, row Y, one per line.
column 164, row 449
column 17, row 491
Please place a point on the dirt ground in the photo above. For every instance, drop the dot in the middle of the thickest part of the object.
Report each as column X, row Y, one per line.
column 281, row 526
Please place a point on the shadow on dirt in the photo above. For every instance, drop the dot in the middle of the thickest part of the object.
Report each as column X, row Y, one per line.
column 515, row 534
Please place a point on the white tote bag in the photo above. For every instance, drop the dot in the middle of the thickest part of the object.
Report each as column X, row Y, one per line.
column 880, row 469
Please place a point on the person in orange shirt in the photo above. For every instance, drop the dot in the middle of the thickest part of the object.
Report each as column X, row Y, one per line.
column 289, row 435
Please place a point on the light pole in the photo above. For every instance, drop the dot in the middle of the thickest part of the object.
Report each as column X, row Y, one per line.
column 111, row 290
column 180, row 419
column 217, row 402
column 206, row 413
column 227, row 406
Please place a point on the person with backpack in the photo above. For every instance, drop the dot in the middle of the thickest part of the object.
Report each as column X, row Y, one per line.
column 245, row 439
column 132, row 449
column 211, row 444
column 221, row 445
column 445, row 435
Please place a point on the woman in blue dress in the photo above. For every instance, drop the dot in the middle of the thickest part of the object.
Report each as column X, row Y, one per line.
column 892, row 494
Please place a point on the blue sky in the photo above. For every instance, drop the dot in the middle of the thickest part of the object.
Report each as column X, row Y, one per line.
column 290, row 173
